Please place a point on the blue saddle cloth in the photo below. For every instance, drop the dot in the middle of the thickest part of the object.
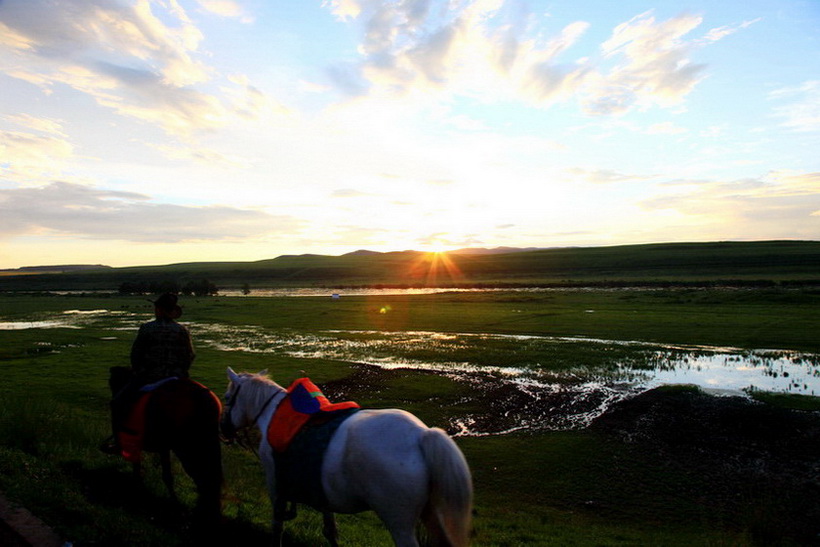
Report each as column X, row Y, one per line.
column 299, row 467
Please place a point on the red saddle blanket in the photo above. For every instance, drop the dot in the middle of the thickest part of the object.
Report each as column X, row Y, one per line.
column 132, row 434
column 303, row 403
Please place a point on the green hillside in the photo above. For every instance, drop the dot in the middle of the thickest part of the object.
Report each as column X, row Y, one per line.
column 765, row 262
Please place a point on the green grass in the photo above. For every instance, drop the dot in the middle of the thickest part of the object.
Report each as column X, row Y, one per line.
column 758, row 263
column 551, row 488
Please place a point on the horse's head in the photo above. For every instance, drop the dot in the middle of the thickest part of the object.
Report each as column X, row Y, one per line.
column 247, row 397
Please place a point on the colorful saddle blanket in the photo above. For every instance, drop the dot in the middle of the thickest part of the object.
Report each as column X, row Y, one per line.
column 299, row 432
column 132, row 434
column 304, row 403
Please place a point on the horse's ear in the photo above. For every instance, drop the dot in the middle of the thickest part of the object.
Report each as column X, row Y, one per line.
column 232, row 376
column 263, row 372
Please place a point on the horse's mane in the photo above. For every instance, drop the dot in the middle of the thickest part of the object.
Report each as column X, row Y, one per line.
column 259, row 387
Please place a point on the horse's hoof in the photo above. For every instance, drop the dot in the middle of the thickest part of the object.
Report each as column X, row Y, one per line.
column 110, row 446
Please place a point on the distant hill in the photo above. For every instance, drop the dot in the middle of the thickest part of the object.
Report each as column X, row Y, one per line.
column 494, row 251
column 31, row 270
column 759, row 263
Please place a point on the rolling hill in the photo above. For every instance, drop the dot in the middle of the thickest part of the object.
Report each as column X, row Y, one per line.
column 761, row 262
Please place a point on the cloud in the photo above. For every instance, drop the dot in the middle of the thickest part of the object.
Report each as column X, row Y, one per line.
column 779, row 204
column 652, row 65
column 722, row 32
column 205, row 156
column 491, row 50
column 348, row 193
column 604, row 176
column 803, row 112
column 226, row 8
column 665, row 128
column 43, row 125
column 30, row 158
column 138, row 58
column 63, row 208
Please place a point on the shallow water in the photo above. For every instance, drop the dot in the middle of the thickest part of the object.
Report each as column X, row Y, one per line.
column 531, row 382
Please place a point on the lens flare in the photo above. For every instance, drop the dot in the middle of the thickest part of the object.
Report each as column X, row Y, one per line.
column 436, row 268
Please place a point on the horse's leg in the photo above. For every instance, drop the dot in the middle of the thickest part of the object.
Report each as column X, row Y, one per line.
column 436, row 534
column 203, row 463
column 329, row 529
column 167, row 474
column 278, row 523
column 136, row 470
column 404, row 536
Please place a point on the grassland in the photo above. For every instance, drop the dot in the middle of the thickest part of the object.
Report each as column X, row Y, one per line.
column 553, row 488
column 761, row 263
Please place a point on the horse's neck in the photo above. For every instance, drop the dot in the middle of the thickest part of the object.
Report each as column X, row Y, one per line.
column 266, row 401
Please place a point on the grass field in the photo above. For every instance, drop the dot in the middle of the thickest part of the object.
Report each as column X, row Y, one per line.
column 547, row 488
column 759, row 263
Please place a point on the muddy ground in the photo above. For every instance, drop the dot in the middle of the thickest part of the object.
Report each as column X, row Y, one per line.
column 755, row 464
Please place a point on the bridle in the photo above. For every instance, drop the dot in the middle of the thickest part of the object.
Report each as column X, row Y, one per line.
column 229, row 431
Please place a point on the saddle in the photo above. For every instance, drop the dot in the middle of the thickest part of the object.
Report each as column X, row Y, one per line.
column 299, row 433
column 303, row 403
column 134, row 434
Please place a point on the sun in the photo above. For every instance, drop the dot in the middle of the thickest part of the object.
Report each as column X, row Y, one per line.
column 435, row 268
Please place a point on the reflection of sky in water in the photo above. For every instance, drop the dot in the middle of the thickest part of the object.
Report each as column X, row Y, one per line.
column 724, row 369
column 525, row 362
column 775, row 371
column 649, row 365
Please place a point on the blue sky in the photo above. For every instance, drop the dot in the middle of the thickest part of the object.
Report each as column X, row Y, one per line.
column 151, row 132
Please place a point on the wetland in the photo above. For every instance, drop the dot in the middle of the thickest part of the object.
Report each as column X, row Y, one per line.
column 555, row 389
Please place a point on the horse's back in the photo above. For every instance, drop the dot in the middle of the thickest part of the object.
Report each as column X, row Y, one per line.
column 183, row 408
column 375, row 454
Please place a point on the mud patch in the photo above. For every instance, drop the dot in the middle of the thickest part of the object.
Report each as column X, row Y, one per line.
column 506, row 405
column 738, row 452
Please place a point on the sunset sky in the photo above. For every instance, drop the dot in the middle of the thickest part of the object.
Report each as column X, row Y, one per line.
column 159, row 131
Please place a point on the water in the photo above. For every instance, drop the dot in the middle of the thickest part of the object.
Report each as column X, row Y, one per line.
column 529, row 382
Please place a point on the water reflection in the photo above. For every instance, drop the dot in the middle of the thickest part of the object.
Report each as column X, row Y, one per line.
column 530, row 382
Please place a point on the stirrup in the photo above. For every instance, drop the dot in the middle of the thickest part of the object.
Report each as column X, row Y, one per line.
column 111, row 446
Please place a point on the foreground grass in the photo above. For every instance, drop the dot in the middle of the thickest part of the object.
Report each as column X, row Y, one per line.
column 556, row 488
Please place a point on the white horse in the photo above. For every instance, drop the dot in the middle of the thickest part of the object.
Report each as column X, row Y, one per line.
column 386, row 460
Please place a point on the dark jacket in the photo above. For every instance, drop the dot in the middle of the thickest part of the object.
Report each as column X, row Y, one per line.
column 163, row 348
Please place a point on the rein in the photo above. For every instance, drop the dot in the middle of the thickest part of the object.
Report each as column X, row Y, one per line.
column 244, row 443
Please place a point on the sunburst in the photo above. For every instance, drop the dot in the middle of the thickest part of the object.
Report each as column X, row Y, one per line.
column 436, row 267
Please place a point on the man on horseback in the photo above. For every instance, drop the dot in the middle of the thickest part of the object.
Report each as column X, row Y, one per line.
column 162, row 349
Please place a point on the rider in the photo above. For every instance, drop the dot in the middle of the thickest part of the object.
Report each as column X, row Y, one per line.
column 162, row 349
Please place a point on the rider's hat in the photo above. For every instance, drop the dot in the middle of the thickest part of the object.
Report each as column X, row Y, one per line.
column 168, row 303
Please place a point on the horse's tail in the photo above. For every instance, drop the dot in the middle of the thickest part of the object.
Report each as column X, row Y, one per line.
column 451, row 492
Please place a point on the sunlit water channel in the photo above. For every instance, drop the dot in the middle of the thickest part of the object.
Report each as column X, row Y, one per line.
column 531, row 379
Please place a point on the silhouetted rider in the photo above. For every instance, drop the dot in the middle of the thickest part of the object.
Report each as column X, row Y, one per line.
column 162, row 349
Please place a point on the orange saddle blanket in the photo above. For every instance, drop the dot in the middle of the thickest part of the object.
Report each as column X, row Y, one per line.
column 132, row 433
column 303, row 403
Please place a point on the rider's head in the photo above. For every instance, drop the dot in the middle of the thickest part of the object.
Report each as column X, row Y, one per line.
column 166, row 306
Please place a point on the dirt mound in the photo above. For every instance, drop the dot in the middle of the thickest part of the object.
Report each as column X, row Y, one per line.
column 687, row 418
column 745, row 456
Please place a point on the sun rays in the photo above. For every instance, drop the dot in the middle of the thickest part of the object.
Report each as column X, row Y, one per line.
column 435, row 268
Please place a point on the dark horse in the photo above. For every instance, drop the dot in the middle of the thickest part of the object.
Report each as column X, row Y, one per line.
column 182, row 416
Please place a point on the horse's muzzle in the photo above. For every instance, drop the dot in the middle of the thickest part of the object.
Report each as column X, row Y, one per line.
column 227, row 428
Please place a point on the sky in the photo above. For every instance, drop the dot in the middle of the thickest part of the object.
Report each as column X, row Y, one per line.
column 147, row 132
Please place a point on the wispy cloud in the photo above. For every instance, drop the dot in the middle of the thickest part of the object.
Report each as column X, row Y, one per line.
column 30, row 158
column 226, row 8
column 139, row 59
column 802, row 112
column 779, row 204
column 604, row 176
column 487, row 49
